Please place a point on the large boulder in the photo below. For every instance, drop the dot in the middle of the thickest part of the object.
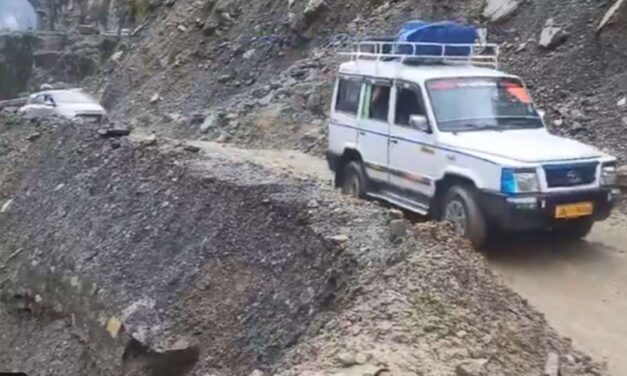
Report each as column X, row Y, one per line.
column 552, row 35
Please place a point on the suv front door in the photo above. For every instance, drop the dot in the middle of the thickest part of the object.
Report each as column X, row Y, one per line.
column 374, row 128
column 412, row 157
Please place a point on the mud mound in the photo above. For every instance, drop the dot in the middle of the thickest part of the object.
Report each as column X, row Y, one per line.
column 438, row 312
column 103, row 232
column 147, row 259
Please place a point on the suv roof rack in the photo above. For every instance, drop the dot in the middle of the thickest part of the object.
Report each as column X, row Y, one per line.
column 422, row 53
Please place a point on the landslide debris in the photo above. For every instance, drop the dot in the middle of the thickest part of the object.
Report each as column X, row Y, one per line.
column 149, row 259
column 260, row 73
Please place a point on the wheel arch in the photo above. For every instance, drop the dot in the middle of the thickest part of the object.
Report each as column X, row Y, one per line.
column 349, row 155
column 442, row 186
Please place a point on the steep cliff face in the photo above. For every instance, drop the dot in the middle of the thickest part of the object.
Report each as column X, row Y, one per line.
column 105, row 15
column 29, row 60
column 16, row 62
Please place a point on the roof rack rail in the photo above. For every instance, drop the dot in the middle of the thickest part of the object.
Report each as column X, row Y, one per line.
column 422, row 53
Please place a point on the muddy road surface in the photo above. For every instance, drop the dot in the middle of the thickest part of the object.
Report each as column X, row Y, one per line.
column 580, row 287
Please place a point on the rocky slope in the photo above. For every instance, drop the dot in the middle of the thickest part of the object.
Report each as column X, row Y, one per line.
column 143, row 258
column 260, row 73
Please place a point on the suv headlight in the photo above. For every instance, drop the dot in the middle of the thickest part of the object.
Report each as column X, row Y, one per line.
column 608, row 174
column 515, row 181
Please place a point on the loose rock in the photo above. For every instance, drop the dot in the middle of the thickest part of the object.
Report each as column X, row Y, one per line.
column 191, row 148
column 396, row 214
column 114, row 326
column 338, row 239
column 113, row 132
column 611, row 14
column 399, row 228
column 33, row 136
column 552, row 36
column 6, row 206
column 552, row 368
column 346, row 359
column 116, row 57
column 471, row 367
column 500, row 10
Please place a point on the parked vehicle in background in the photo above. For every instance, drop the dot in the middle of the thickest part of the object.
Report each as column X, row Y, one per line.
column 436, row 129
column 70, row 103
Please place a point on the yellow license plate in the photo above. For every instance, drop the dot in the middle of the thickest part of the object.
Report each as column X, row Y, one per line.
column 582, row 209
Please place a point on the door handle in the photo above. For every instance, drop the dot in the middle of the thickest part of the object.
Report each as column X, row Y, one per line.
column 393, row 141
column 362, row 133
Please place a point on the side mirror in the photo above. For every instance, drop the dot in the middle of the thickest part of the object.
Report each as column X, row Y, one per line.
column 420, row 122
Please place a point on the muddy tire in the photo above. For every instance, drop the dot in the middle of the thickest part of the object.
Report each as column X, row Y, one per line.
column 575, row 231
column 461, row 209
column 353, row 180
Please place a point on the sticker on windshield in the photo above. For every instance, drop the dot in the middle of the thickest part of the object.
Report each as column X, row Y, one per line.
column 518, row 91
column 449, row 84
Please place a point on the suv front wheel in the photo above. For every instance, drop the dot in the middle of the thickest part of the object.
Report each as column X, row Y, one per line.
column 460, row 208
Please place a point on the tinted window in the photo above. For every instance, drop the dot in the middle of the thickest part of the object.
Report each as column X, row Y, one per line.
column 348, row 96
column 379, row 102
column 408, row 103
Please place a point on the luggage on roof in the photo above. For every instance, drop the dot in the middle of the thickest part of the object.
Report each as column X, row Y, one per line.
column 427, row 43
column 447, row 39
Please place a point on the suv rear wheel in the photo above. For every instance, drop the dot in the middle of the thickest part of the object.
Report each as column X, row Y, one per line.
column 462, row 211
column 353, row 180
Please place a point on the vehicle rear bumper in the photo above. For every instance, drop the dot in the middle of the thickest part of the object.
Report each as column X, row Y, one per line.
column 537, row 211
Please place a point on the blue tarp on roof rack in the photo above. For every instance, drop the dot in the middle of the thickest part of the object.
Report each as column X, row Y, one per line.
column 443, row 33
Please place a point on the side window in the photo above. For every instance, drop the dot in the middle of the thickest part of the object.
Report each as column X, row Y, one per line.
column 378, row 102
column 408, row 102
column 348, row 96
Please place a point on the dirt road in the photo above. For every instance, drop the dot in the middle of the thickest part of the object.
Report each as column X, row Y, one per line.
column 581, row 288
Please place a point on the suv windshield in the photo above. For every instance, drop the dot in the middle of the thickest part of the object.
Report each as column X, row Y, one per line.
column 71, row 97
column 468, row 104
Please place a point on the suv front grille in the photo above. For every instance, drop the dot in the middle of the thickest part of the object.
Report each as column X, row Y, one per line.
column 570, row 175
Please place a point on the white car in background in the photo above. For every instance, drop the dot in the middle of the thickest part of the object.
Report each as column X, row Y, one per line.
column 72, row 103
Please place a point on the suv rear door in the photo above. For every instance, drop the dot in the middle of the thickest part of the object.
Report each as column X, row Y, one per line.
column 374, row 128
column 345, row 112
column 413, row 159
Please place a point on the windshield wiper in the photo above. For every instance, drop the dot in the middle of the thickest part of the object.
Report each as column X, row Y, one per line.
column 522, row 122
column 480, row 127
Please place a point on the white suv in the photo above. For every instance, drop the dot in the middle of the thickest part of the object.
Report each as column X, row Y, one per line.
column 72, row 103
column 462, row 143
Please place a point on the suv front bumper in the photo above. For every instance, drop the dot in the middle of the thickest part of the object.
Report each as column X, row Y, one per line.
column 538, row 211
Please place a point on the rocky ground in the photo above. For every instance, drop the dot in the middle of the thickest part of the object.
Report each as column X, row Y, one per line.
column 150, row 257
column 142, row 256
